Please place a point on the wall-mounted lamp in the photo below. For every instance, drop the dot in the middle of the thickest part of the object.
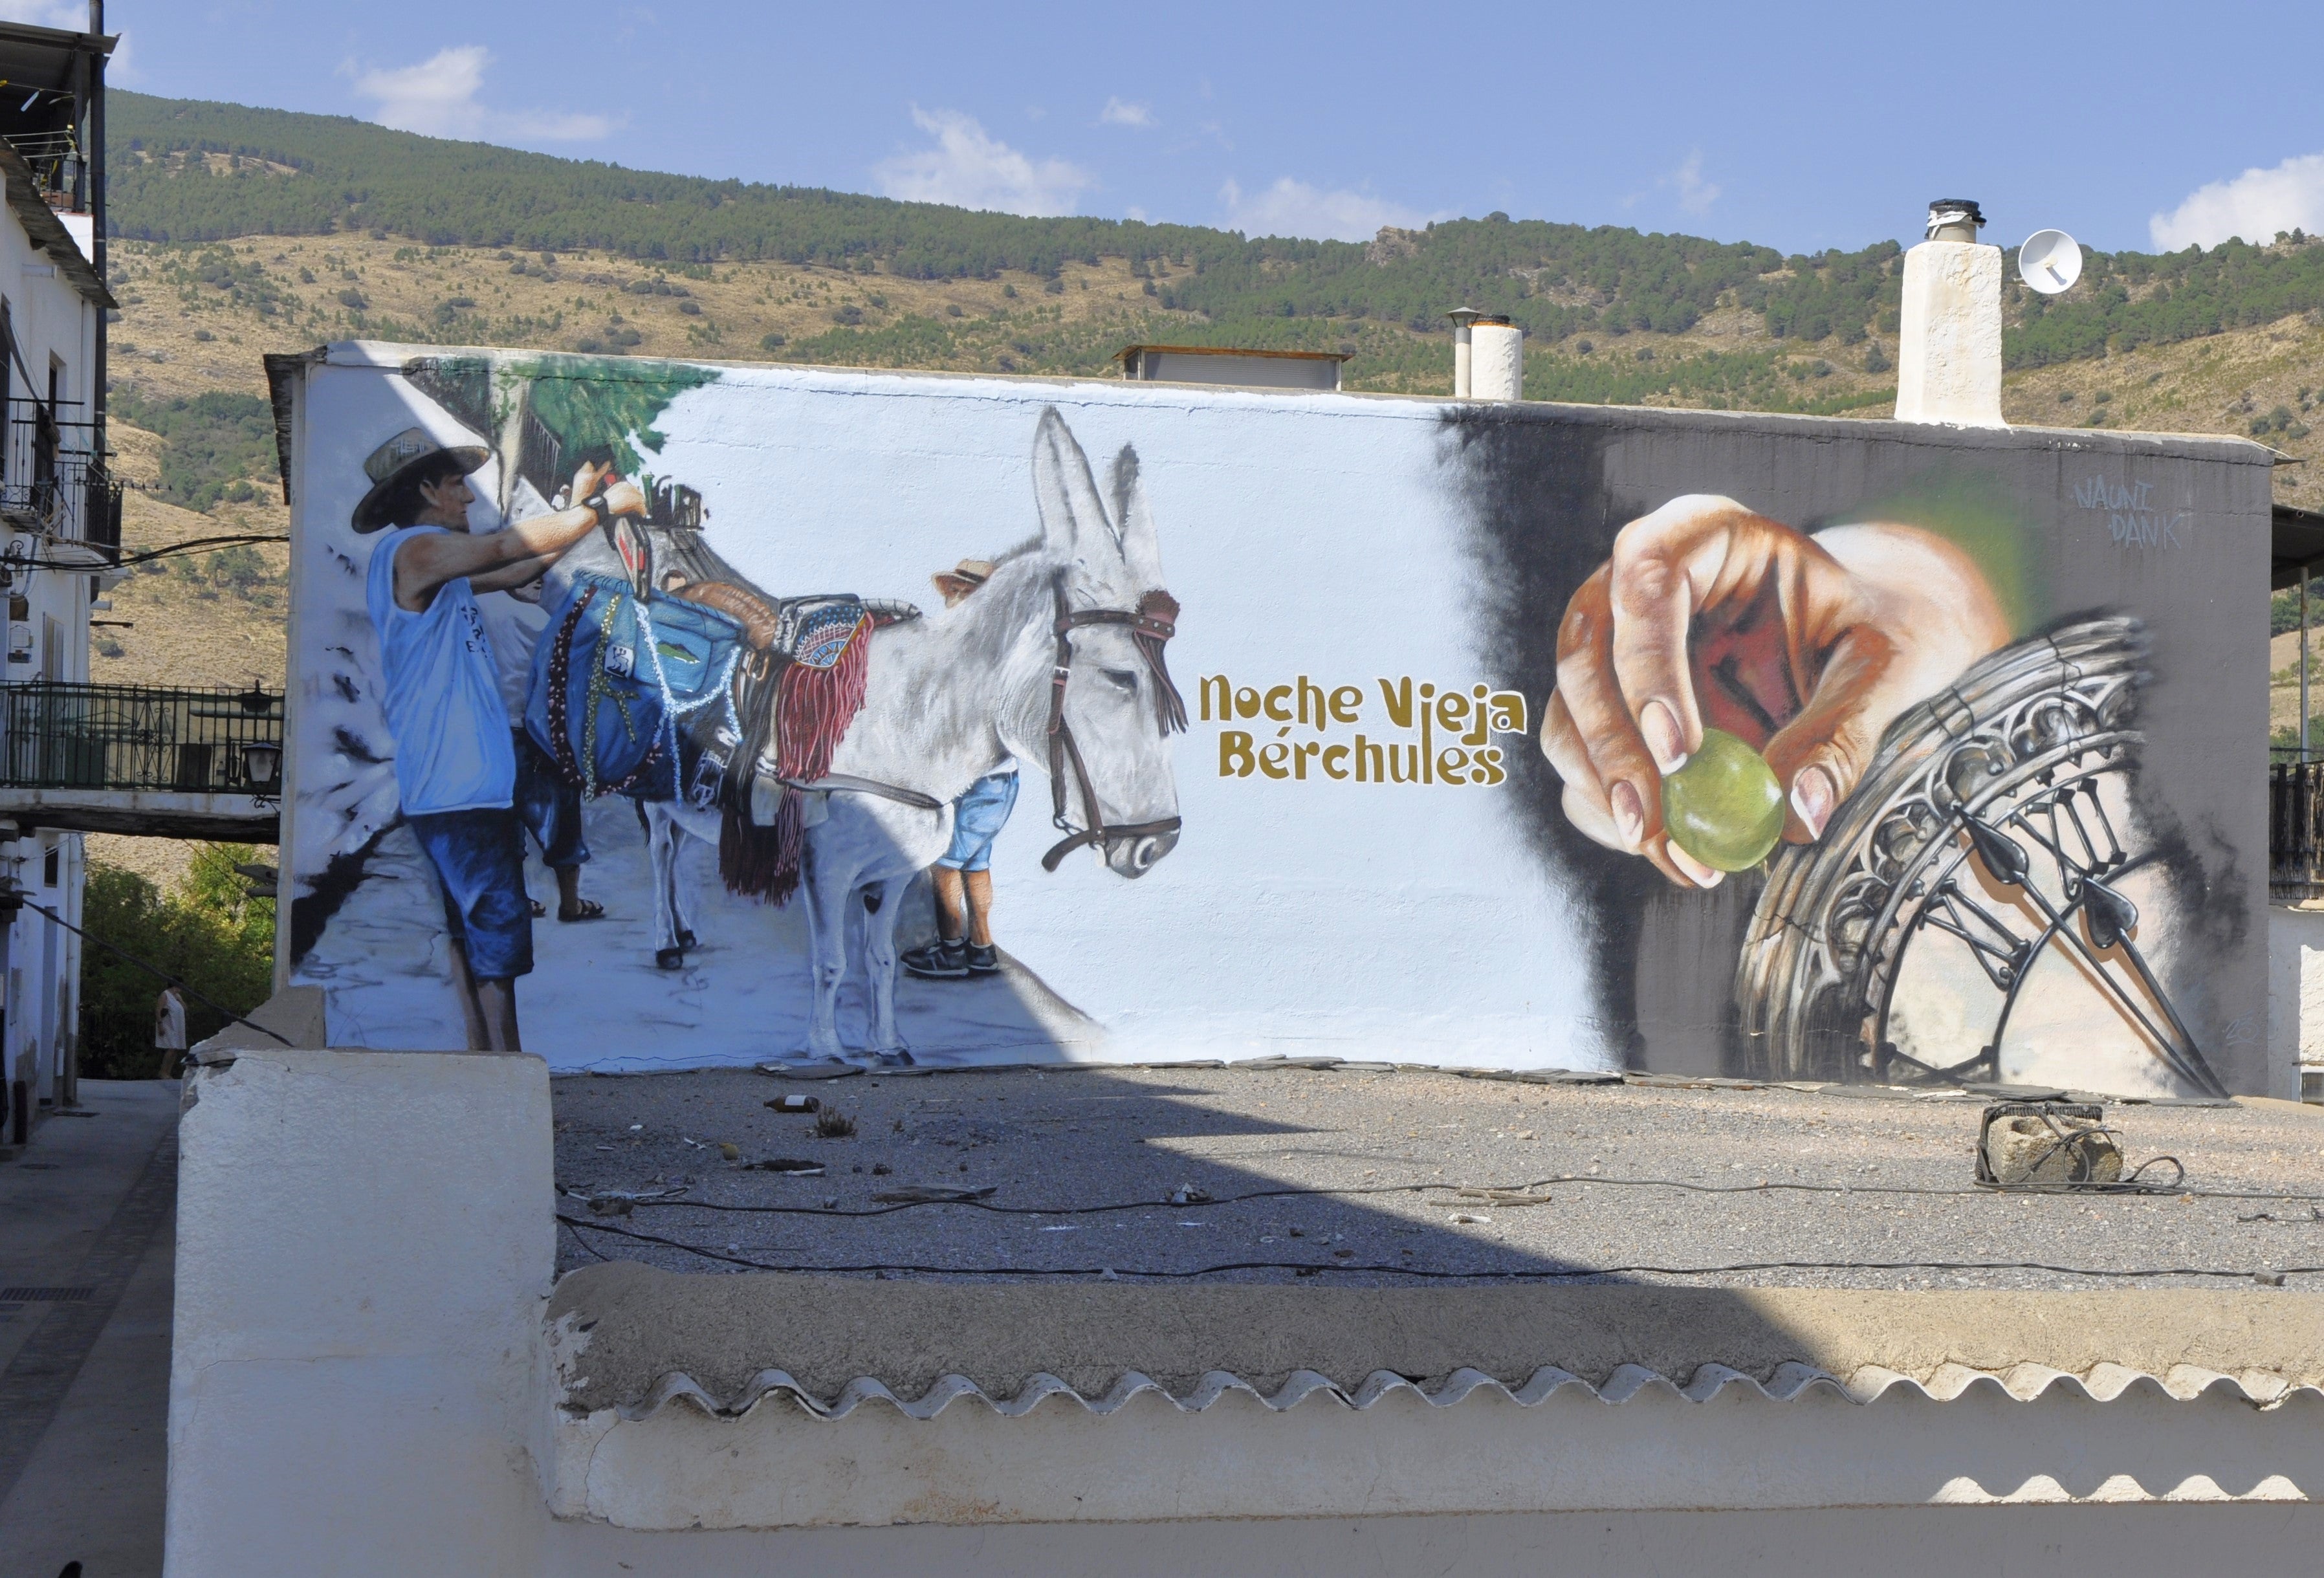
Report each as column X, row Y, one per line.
column 261, row 765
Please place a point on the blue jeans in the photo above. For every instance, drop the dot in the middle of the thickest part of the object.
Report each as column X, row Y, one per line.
column 478, row 857
column 550, row 805
column 977, row 818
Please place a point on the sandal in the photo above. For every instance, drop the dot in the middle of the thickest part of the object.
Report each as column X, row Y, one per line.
column 539, row 909
column 582, row 909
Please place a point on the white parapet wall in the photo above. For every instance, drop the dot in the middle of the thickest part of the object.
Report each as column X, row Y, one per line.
column 370, row 1378
column 364, row 1250
column 1949, row 336
column 2295, row 996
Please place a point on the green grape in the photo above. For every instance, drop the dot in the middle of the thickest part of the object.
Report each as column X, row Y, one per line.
column 1724, row 807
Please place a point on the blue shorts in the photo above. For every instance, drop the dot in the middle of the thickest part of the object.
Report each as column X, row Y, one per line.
column 550, row 806
column 977, row 818
column 479, row 861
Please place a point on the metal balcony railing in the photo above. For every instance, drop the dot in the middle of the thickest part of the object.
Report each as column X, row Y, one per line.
column 2295, row 831
column 53, row 480
column 135, row 737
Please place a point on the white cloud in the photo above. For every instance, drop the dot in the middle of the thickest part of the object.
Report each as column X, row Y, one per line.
column 969, row 169
column 2255, row 205
column 1695, row 195
column 439, row 97
column 1293, row 208
column 1118, row 113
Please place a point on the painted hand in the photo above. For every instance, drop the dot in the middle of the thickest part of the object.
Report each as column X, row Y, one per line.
column 586, row 480
column 624, row 499
column 1806, row 647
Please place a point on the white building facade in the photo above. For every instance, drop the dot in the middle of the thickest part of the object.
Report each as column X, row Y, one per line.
column 60, row 534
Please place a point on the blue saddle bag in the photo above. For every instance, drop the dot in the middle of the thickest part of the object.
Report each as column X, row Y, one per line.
column 614, row 680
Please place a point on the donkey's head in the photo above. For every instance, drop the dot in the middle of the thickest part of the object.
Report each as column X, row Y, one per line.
column 1107, row 729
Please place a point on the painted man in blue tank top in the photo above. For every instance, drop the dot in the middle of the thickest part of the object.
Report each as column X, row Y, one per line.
column 455, row 768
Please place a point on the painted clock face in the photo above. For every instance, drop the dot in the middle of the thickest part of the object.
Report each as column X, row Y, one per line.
column 1988, row 905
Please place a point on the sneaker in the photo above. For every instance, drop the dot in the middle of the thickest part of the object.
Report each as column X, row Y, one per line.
column 984, row 961
column 939, row 961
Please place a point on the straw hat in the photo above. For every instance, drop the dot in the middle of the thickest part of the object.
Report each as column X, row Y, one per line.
column 962, row 579
column 396, row 459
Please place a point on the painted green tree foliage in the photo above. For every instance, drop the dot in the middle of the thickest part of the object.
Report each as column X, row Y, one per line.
column 606, row 404
column 574, row 407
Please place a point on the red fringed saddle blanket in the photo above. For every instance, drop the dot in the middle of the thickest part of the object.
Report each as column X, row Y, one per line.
column 816, row 695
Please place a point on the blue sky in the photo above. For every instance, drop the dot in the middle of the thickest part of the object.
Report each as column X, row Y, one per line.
column 1798, row 125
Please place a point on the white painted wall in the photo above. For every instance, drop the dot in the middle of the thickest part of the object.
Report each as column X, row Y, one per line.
column 2295, row 996
column 365, row 1245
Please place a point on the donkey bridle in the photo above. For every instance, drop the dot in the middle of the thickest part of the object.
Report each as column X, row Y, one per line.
column 1152, row 627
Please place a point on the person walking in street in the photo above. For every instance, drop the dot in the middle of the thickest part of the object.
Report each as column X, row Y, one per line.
column 961, row 878
column 455, row 768
column 169, row 1031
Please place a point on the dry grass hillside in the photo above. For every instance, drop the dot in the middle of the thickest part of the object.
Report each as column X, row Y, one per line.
column 183, row 333
column 197, row 319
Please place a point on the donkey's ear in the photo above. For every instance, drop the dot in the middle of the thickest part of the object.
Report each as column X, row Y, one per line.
column 1074, row 521
column 1142, row 556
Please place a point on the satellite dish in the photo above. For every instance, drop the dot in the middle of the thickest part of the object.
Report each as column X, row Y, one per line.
column 2049, row 262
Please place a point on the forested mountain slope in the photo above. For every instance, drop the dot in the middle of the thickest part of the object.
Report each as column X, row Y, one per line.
column 187, row 171
column 246, row 230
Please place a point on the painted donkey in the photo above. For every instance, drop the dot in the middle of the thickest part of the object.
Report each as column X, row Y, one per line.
column 1056, row 661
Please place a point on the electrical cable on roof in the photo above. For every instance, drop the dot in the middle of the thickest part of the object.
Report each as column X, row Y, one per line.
column 1977, row 1193
column 1308, row 1267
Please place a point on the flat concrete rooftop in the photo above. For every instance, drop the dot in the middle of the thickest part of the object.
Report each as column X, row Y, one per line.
column 1372, row 1175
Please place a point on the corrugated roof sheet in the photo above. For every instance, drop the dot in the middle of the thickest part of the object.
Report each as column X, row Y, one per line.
column 634, row 1340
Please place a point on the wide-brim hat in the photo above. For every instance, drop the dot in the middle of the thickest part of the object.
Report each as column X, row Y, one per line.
column 396, row 459
column 964, row 577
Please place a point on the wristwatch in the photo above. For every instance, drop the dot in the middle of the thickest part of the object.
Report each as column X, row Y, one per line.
column 599, row 508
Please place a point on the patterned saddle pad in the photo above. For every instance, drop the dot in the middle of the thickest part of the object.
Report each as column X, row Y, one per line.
column 618, row 681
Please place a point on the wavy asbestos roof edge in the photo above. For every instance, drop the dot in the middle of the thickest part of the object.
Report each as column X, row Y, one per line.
column 2024, row 1382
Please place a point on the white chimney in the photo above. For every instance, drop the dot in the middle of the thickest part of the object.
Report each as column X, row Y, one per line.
column 1488, row 357
column 1496, row 360
column 1948, row 338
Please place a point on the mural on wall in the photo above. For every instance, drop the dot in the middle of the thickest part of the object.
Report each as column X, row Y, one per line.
column 652, row 714
column 1728, row 686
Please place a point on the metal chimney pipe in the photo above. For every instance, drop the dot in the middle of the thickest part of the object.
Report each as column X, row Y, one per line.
column 1953, row 219
column 1462, row 356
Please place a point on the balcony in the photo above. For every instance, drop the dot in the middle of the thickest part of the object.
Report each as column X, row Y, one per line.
column 2295, row 829
column 54, row 157
column 54, row 480
column 142, row 759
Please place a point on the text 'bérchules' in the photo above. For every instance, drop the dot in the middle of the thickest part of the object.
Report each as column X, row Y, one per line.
column 1442, row 736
